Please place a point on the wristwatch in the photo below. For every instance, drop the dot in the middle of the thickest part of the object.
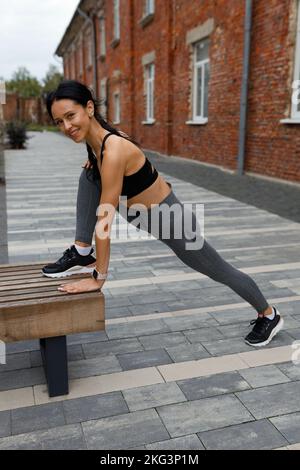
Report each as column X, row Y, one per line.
column 98, row 276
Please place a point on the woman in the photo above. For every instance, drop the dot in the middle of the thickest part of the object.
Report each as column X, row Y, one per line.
column 125, row 171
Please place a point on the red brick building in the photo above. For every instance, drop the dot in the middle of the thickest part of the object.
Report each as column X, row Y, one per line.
column 210, row 80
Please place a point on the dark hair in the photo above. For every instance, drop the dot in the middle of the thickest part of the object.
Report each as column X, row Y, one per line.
column 81, row 94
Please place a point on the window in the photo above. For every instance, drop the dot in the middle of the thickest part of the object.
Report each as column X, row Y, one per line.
column 116, row 19
column 150, row 92
column 296, row 82
column 73, row 62
column 66, row 66
column 117, row 108
column 103, row 98
column 80, row 58
column 200, row 80
column 89, row 51
column 102, row 37
column 149, row 7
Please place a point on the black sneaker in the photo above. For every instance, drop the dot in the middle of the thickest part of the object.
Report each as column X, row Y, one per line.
column 264, row 330
column 70, row 263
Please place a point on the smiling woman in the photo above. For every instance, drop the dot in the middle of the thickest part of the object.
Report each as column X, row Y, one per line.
column 122, row 169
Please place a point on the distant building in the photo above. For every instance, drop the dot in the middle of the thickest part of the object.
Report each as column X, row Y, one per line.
column 210, row 80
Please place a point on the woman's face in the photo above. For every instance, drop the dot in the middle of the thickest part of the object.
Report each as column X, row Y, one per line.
column 72, row 118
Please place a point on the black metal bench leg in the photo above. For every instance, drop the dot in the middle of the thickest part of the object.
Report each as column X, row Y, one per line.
column 55, row 361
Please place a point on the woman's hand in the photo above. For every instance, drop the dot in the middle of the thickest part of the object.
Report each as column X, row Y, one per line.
column 84, row 285
column 88, row 165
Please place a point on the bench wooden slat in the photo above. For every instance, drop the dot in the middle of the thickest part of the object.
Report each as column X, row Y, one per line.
column 28, row 296
column 9, row 286
column 25, row 272
column 22, row 266
column 20, row 292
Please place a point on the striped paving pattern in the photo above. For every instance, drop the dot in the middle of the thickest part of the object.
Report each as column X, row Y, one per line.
column 171, row 371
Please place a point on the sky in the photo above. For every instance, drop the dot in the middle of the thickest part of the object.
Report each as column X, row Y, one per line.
column 30, row 31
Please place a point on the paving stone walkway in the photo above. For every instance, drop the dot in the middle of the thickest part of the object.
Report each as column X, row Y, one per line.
column 171, row 370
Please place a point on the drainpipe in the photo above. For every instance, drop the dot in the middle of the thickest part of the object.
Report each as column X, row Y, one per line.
column 90, row 20
column 244, row 92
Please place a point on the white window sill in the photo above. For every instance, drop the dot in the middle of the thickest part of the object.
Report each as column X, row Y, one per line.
column 290, row 121
column 117, row 122
column 199, row 122
column 152, row 121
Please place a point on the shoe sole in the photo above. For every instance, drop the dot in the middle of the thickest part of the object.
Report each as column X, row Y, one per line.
column 274, row 332
column 71, row 271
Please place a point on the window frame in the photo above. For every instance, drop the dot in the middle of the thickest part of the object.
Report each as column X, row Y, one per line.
column 150, row 92
column 199, row 65
column 116, row 20
column 295, row 110
column 117, row 109
column 102, row 31
column 149, row 7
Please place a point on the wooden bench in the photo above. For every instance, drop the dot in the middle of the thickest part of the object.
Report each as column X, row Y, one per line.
column 31, row 307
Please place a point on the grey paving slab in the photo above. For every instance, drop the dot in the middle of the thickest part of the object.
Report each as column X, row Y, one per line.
column 117, row 312
column 289, row 426
column 151, row 396
column 219, row 384
column 148, row 298
column 5, row 423
column 22, row 346
column 237, row 345
column 69, row 437
column 190, row 442
column 115, row 346
column 136, row 329
column 189, row 322
column 258, row 435
column 125, row 431
column 94, row 407
column 203, row 415
column 155, row 307
column 22, row 378
column 87, row 337
column 187, row 352
column 137, row 360
column 203, row 334
column 162, row 340
column 263, row 376
column 234, row 315
column 33, row 418
column 120, row 301
column 15, row 362
column 273, row 400
column 291, row 370
column 94, row 366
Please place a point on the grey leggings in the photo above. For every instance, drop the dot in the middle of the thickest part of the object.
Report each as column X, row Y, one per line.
column 205, row 260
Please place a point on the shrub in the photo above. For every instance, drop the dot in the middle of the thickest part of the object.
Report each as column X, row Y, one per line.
column 16, row 132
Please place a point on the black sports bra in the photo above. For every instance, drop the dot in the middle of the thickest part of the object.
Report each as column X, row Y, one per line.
column 139, row 181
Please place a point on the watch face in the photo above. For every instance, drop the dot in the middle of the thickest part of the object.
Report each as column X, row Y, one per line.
column 95, row 274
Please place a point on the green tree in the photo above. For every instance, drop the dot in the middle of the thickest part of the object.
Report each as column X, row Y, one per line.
column 24, row 83
column 52, row 79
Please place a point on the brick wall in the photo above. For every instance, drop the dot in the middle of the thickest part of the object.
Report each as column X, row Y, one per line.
column 272, row 148
column 30, row 110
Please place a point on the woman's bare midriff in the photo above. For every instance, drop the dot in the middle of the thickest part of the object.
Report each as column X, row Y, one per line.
column 155, row 193
column 152, row 195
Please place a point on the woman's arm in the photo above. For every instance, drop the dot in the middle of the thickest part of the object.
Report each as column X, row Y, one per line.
column 112, row 174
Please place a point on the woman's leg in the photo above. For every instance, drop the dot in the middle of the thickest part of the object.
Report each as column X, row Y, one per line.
column 205, row 260
column 88, row 198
